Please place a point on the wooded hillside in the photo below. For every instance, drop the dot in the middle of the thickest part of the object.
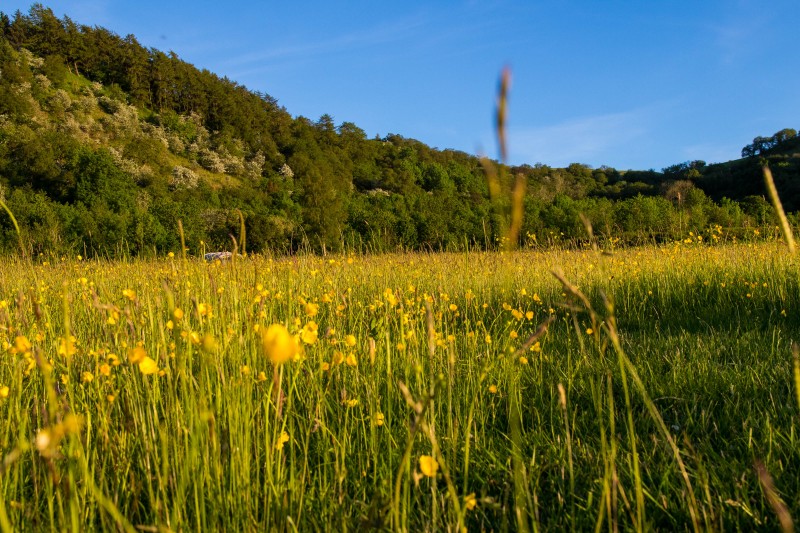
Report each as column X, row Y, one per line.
column 105, row 145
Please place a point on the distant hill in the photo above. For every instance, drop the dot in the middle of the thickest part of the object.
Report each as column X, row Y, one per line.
column 105, row 145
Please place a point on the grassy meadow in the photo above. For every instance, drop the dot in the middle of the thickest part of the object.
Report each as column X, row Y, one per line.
column 655, row 388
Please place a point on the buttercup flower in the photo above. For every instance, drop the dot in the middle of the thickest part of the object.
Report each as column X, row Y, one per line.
column 279, row 345
column 148, row 366
column 470, row 501
column 428, row 465
column 309, row 333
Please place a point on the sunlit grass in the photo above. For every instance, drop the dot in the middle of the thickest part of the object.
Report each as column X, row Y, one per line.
column 399, row 391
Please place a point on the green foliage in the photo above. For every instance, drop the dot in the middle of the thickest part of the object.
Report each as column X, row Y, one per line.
column 780, row 141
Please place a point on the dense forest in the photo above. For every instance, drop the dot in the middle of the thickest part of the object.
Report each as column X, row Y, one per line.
column 105, row 145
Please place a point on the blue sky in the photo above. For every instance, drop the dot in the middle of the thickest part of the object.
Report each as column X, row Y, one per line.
column 630, row 84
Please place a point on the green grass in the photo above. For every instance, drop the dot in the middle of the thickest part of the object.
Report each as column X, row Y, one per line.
column 703, row 365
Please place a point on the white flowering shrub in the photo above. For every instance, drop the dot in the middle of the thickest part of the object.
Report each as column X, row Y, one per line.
column 234, row 166
column 255, row 166
column 211, row 161
column 85, row 104
column 109, row 105
column 174, row 143
column 27, row 58
column 42, row 81
column 183, row 178
column 156, row 133
column 286, row 171
column 60, row 100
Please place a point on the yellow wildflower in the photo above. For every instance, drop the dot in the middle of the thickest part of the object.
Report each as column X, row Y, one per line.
column 309, row 333
column 66, row 347
column 470, row 501
column 148, row 366
column 391, row 299
column 22, row 344
column 428, row 465
column 136, row 355
column 282, row 439
column 209, row 343
column 278, row 344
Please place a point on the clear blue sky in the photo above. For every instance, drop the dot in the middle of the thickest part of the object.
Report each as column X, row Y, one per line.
column 631, row 84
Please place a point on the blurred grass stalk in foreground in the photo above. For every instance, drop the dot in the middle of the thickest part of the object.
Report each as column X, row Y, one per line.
column 776, row 203
column 508, row 218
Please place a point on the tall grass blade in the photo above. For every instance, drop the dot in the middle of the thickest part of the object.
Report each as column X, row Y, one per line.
column 502, row 112
column 242, row 233
column 796, row 357
column 16, row 228
column 775, row 501
column 776, row 203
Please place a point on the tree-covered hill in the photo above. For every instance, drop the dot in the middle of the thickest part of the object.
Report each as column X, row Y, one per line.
column 105, row 145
